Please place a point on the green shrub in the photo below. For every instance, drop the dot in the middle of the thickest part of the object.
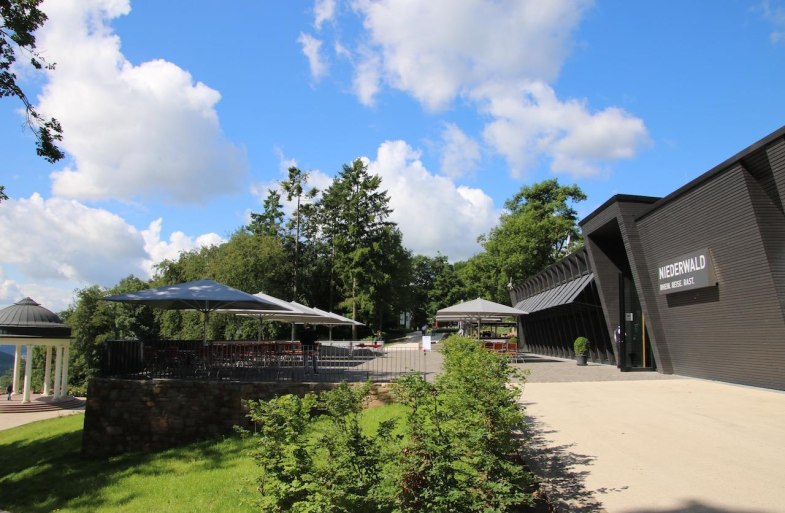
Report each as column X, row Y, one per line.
column 513, row 340
column 581, row 346
column 456, row 451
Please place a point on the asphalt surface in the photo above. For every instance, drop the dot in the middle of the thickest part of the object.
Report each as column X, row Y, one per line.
column 605, row 441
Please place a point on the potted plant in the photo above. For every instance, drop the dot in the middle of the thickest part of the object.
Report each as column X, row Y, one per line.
column 581, row 346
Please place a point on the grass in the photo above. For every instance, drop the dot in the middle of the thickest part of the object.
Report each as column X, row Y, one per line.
column 42, row 471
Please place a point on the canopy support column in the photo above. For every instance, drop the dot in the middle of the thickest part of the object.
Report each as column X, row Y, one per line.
column 64, row 382
column 28, row 374
column 48, row 371
column 17, row 363
column 58, row 370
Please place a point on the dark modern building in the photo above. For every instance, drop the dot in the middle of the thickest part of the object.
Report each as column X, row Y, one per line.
column 690, row 284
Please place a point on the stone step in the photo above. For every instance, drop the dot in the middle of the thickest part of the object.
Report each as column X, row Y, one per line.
column 16, row 406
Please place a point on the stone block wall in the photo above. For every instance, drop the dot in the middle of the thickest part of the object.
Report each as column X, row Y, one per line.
column 152, row 415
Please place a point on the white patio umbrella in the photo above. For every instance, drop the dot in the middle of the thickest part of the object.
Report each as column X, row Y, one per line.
column 477, row 310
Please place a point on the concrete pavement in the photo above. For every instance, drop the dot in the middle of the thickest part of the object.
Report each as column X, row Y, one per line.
column 10, row 420
column 646, row 443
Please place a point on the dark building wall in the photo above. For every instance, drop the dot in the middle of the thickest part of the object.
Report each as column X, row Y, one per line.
column 614, row 247
column 734, row 331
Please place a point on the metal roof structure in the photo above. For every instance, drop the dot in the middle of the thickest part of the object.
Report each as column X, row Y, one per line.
column 27, row 318
column 562, row 294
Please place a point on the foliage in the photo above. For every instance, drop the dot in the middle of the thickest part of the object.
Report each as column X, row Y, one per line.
column 462, row 429
column 581, row 346
column 434, row 285
column 19, row 19
column 354, row 213
column 270, row 221
column 455, row 452
column 339, row 469
column 538, row 227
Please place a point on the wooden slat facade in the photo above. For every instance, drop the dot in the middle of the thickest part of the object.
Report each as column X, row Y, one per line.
column 733, row 331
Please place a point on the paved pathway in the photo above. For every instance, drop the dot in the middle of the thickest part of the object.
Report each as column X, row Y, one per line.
column 606, row 441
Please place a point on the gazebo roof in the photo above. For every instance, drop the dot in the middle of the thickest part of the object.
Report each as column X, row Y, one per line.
column 26, row 318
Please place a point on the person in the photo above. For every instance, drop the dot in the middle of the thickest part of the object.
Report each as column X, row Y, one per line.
column 308, row 344
column 8, row 390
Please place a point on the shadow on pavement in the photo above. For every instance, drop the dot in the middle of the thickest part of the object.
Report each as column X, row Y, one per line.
column 555, row 467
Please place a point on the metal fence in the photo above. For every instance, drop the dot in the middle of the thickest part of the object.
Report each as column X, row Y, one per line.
column 337, row 361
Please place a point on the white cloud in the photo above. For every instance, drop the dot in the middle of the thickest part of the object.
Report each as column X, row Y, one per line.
column 433, row 214
column 56, row 245
column 59, row 239
column 323, row 10
column 133, row 131
column 774, row 13
column 312, row 50
column 460, row 153
column 532, row 122
column 55, row 299
column 159, row 250
column 502, row 57
column 437, row 49
column 367, row 78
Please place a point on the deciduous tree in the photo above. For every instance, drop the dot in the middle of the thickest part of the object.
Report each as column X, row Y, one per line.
column 19, row 19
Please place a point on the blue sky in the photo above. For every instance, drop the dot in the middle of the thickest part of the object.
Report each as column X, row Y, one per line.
column 179, row 115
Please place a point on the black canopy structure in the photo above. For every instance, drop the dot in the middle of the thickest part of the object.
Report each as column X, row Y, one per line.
column 202, row 295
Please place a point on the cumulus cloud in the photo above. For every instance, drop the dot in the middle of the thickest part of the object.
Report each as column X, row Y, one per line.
column 502, row 58
column 57, row 242
column 436, row 49
column 323, row 10
column 55, row 299
column 146, row 130
column 433, row 213
column 312, row 50
column 531, row 121
column 159, row 250
column 460, row 153
column 65, row 240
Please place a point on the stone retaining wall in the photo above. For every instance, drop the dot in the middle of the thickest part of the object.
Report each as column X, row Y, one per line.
column 131, row 416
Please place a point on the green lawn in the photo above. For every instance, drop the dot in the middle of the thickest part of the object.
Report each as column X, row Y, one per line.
column 41, row 470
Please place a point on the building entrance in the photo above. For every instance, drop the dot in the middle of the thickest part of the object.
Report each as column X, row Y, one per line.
column 636, row 352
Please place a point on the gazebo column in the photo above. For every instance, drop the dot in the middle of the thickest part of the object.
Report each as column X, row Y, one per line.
column 17, row 363
column 48, row 371
column 28, row 374
column 64, row 382
column 58, row 370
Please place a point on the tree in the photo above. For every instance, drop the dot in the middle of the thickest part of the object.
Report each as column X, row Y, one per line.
column 434, row 285
column 270, row 221
column 355, row 213
column 538, row 228
column 19, row 19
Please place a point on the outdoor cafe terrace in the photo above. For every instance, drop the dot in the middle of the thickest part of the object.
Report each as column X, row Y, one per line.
column 273, row 361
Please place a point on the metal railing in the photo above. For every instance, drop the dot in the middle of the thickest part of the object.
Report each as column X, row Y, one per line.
column 266, row 361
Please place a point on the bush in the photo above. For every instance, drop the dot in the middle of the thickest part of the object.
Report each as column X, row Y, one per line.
column 457, row 451
column 581, row 346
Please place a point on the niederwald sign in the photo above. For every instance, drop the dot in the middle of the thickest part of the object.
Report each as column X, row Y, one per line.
column 691, row 271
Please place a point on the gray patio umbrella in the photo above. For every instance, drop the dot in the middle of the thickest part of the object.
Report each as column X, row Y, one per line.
column 202, row 295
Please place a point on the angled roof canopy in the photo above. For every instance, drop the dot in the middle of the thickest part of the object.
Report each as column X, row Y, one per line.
column 559, row 295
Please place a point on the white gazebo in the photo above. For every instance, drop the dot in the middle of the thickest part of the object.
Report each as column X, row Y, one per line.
column 27, row 323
